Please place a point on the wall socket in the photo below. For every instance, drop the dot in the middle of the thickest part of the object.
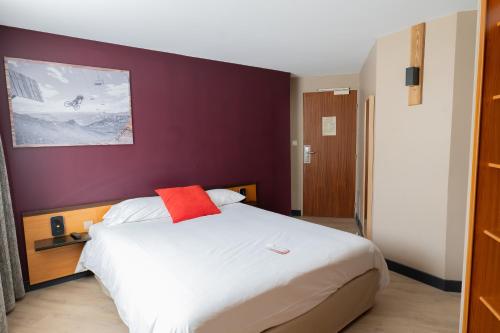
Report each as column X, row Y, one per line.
column 87, row 224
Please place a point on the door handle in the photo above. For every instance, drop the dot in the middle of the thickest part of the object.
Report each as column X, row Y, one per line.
column 307, row 154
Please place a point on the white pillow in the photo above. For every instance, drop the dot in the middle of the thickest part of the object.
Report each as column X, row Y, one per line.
column 135, row 210
column 221, row 197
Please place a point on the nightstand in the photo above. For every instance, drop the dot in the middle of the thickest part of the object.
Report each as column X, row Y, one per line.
column 52, row 258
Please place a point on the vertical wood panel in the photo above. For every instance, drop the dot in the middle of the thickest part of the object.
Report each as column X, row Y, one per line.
column 475, row 153
column 417, row 52
column 483, row 269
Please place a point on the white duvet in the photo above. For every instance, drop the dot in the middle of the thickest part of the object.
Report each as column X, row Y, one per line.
column 215, row 274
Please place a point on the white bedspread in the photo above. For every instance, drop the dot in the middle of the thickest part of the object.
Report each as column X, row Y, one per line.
column 214, row 274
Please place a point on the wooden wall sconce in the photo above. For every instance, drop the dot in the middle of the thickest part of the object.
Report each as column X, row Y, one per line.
column 415, row 73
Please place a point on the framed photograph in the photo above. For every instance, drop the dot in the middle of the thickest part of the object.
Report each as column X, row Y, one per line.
column 53, row 104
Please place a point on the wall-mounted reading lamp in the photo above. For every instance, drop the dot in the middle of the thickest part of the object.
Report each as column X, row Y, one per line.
column 412, row 76
column 414, row 73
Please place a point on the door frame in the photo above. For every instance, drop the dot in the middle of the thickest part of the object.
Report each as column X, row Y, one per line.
column 368, row 159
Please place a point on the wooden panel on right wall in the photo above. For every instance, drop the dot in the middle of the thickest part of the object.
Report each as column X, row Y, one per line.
column 482, row 290
column 417, row 52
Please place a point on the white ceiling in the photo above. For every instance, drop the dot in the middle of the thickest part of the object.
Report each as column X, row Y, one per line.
column 304, row 37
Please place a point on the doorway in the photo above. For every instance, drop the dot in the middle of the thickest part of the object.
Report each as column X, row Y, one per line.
column 329, row 169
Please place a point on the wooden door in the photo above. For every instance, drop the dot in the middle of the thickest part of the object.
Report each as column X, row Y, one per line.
column 368, row 166
column 330, row 132
column 482, row 291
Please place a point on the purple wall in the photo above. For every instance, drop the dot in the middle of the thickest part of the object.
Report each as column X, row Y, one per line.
column 195, row 122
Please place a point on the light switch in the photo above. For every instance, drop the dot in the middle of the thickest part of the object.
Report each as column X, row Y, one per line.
column 295, row 143
column 87, row 224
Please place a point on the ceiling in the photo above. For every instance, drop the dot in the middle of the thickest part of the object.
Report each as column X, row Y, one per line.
column 304, row 37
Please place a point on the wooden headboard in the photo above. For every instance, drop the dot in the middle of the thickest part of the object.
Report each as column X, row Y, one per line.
column 59, row 262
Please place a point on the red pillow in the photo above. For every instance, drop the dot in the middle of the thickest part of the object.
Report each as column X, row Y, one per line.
column 184, row 203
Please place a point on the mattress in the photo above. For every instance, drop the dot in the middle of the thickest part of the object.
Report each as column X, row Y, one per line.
column 217, row 273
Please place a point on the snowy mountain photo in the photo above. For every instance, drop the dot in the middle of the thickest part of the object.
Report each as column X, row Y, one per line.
column 64, row 105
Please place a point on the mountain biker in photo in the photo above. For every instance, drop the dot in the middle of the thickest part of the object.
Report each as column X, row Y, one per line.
column 75, row 104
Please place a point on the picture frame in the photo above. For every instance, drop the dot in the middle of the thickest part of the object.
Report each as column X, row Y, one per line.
column 55, row 104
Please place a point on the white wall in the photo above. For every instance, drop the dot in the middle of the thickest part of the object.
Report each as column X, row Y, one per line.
column 298, row 86
column 419, row 152
column 460, row 149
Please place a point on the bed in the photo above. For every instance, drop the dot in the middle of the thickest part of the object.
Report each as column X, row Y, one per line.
column 218, row 273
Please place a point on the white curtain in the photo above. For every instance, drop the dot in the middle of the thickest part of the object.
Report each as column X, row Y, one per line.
column 11, row 279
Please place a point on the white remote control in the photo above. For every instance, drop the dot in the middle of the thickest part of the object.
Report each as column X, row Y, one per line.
column 276, row 249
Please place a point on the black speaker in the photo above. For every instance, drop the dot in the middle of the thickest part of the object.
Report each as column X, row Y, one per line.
column 412, row 76
column 57, row 225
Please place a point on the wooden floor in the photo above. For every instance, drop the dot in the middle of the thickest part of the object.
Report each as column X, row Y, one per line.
column 406, row 306
column 344, row 224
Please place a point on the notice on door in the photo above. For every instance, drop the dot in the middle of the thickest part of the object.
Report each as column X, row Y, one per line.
column 329, row 126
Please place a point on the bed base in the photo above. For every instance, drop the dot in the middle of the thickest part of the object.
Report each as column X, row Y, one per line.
column 338, row 310
column 333, row 314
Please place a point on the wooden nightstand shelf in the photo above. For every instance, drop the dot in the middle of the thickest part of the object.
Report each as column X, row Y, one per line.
column 52, row 243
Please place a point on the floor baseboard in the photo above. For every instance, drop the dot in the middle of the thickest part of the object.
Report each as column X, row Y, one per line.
column 431, row 280
column 295, row 212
